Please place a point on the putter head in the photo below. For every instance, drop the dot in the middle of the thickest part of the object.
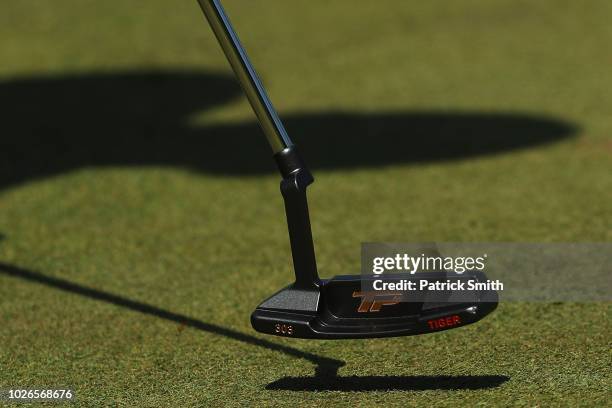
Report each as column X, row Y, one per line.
column 340, row 308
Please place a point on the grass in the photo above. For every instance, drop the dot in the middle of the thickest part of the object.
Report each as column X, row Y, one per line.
column 132, row 253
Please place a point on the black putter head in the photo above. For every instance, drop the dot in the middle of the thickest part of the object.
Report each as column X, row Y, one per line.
column 350, row 307
column 339, row 308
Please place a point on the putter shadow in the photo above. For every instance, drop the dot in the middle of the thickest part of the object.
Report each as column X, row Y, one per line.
column 388, row 383
column 52, row 125
column 326, row 372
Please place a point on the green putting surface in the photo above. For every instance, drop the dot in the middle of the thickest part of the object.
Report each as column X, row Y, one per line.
column 141, row 223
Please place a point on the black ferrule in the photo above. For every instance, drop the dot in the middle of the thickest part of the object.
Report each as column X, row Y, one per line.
column 289, row 161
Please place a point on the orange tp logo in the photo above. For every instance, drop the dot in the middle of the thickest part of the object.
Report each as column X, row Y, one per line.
column 374, row 301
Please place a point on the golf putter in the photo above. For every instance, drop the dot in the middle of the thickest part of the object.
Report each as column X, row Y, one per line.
column 337, row 308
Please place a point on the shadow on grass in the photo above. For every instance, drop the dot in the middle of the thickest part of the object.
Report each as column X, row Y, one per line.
column 388, row 383
column 326, row 373
column 52, row 125
column 326, row 365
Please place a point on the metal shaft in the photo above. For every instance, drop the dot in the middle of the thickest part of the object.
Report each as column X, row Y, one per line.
column 236, row 55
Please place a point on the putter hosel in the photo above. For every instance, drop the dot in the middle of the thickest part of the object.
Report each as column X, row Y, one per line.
column 293, row 187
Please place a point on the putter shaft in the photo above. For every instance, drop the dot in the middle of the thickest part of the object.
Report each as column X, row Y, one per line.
column 236, row 55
